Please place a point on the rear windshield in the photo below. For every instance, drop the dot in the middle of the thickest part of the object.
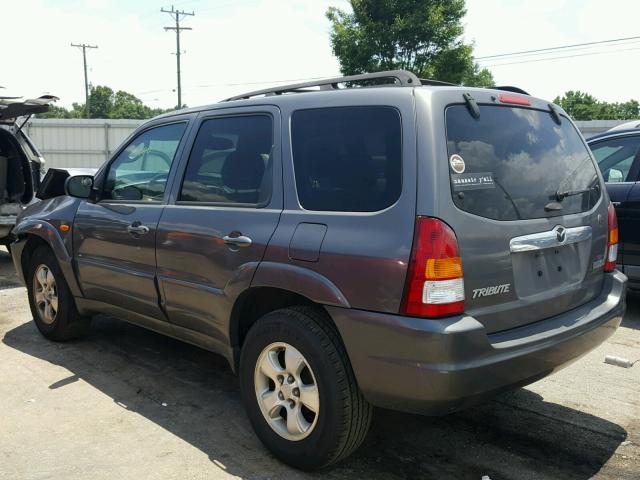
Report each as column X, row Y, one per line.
column 518, row 163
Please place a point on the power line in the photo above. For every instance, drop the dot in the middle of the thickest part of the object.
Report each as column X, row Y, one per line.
column 177, row 15
column 84, row 47
column 568, row 50
column 562, row 57
column 561, row 47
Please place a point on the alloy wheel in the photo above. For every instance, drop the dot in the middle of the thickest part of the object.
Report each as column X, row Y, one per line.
column 45, row 294
column 287, row 391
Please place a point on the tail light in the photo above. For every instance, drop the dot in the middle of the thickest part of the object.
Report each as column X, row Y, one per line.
column 612, row 241
column 434, row 287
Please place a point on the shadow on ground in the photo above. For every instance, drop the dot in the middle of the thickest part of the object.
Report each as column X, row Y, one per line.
column 8, row 277
column 632, row 318
column 518, row 435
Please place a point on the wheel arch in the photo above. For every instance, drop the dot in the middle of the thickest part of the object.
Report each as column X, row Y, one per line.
column 257, row 301
column 32, row 234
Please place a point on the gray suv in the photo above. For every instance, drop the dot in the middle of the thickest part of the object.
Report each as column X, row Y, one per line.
column 376, row 240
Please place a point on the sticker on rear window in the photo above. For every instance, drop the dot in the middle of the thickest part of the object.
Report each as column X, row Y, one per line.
column 472, row 181
column 457, row 163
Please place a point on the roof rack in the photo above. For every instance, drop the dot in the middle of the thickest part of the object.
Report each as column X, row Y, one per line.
column 401, row 78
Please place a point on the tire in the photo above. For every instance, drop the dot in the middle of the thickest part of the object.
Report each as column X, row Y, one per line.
column 61, row 323
column 343, row 416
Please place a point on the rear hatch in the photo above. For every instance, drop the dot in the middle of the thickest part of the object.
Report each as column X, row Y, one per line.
column 521, row 190
column 20, row 162
column 11, row 108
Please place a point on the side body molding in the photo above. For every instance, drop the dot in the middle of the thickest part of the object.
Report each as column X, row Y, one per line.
column 51, row 236
column 299, row 280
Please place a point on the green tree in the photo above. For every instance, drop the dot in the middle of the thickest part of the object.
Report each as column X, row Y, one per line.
column 100, row 102
column 126, row 105
column 582, row 106
column 423, row 36
column 55, row 112
column 104, row 103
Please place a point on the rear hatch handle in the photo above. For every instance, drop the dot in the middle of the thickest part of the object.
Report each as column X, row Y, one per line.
column 555, row 237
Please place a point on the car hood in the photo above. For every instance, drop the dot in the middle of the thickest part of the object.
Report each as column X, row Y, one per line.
column 12, row 108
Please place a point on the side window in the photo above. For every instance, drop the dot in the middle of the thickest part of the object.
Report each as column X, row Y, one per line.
column 140, row 171
column 616, row 156
column 347, row 158
column 231, row 161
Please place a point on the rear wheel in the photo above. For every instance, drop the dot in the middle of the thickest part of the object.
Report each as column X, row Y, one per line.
column 300, row 391
column 52, row 304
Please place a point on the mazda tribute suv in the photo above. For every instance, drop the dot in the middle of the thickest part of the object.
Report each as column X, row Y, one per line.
column 374, row 240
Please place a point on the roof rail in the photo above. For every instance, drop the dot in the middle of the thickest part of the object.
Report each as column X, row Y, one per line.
column 402, row 78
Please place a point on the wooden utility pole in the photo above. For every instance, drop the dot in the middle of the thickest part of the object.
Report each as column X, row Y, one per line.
column 177, row 16
column 84, row 47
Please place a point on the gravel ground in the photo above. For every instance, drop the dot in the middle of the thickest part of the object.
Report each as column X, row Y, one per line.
column 127, row 403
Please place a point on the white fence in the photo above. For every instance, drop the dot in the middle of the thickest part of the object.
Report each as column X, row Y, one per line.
column 77, row 142
column 88, row 143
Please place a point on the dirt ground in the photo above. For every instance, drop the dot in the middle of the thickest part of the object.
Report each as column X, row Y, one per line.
column 126, row 403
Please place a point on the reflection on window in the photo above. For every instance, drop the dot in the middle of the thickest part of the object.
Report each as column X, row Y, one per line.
column 512, row 161
column 616, row 156
column 141, row 170
column 231, row 162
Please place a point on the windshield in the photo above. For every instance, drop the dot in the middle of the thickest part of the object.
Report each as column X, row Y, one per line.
column 517, row 163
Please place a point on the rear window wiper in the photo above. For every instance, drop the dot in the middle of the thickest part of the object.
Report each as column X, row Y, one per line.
column 562, row 194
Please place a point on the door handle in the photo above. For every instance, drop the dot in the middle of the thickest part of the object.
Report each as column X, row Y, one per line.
column 616, row 204
column 137, row 229
column 237, row 241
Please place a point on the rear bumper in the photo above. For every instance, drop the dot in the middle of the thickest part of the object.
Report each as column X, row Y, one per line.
column 438, row 366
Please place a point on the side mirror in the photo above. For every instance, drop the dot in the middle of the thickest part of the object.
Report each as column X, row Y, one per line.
column 615, row 176
column 79, row 186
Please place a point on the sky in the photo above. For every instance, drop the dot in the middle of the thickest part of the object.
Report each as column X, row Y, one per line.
column 241, row 45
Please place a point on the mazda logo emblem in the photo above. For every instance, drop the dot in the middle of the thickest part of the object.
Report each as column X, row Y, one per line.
column 561, row 233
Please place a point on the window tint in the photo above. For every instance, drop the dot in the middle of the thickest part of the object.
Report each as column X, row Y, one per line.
column 615, row 157
column 231, row 161
column 510, row 163
column 347, row 158
column 140, row 171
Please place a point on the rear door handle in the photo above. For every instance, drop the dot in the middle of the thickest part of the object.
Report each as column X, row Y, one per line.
column 239, row 241
column 616, row 204
column 137, row 229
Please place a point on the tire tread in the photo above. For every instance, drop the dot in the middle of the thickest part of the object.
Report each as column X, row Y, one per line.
column 356, row 418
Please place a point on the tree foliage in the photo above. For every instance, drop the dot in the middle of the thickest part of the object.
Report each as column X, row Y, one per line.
column 423, row 36
column 582, row 106
column 104, row 103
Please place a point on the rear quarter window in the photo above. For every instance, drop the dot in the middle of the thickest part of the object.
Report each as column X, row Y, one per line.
column 347, row 158
column 510, row 163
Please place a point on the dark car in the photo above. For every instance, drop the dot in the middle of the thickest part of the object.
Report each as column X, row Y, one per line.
column 618, row 155
column 415, row 245
column 21, row 165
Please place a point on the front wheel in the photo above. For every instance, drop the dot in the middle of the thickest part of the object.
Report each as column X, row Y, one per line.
column 52, row 304
column 299, row 389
